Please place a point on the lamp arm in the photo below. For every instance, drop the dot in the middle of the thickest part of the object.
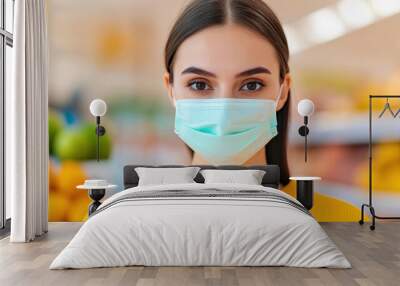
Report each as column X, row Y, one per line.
column 303, row 131
column 98, row 138
column 305, row 148
column 100, row 131
column 305, row 138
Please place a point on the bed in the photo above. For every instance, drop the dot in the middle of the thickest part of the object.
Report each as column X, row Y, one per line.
column 201, row 224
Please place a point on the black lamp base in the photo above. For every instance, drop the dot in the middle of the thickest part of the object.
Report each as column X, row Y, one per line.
column 96, row 195
column 305, row 193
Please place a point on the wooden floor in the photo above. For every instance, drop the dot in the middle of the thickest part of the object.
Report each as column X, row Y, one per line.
column 375, row 257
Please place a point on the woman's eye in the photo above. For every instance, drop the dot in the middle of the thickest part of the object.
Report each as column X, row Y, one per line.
column 199, row 85
column 252, row 86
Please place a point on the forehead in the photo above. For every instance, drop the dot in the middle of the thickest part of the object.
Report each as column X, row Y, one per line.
column 226, row 48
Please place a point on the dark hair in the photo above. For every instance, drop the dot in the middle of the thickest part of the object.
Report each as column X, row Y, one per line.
column 256, row 15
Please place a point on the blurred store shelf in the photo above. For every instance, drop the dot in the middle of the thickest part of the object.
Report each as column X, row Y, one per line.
column 330, row 128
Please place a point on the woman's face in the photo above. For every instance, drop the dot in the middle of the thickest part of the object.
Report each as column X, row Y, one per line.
column 227, row 61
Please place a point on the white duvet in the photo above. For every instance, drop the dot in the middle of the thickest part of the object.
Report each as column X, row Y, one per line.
column 200, row 231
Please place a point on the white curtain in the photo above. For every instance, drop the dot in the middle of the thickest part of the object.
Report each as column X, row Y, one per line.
column 26, row 124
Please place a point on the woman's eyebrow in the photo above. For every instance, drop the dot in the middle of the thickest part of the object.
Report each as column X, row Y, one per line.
column 198, row 71
column 249, row 72
column 255, row 70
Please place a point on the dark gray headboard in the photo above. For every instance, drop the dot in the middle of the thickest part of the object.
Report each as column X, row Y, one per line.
column 270, row 179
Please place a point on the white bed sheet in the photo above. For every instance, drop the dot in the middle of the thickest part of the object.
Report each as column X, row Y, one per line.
column 200, row 232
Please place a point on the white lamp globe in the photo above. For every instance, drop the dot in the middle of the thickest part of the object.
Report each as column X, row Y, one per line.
column 98, row 107
column 305, row 107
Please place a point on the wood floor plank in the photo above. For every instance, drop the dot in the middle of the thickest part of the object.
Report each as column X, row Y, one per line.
column 375, row 258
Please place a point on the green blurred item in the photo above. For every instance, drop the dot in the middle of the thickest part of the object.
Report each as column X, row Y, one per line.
column 79, row 143
column 89, row 129
column 55, row 126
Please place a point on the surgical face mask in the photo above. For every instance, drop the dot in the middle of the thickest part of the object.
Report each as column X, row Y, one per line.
column 226, row 130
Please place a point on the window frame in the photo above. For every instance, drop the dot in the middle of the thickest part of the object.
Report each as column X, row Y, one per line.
column 6, row 39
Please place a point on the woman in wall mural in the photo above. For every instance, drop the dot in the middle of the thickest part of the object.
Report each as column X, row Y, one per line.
column 227, row 75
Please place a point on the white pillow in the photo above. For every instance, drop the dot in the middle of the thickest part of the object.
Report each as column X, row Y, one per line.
column 162, row 176
column 248, row 177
